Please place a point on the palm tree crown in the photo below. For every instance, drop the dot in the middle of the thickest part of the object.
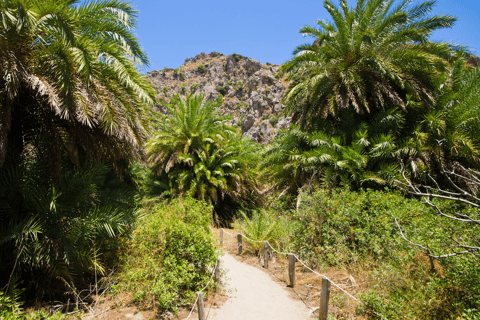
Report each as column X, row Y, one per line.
column 70, row 74
column 369, row 58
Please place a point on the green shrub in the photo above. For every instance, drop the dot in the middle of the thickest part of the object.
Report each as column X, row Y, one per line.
column 346, row 229
column 237, row 57
column 170, row 255
column 265, row 225
column 274, row 121
column 201, row 68
column 53, row 236
column 193, row 86
column 10, row 306
column 182, row 76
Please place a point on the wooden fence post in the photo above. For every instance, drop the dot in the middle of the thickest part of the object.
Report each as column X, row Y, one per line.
column 324, row 297
column 221, row 237
column 265, row 253
column 217, row 275
column 201, row 306
column 291, row 269
column 239, row 238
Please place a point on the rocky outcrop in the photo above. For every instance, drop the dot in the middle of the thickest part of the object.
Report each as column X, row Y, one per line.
column 251, row 91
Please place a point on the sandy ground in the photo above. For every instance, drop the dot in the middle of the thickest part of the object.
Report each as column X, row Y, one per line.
column 253, row 295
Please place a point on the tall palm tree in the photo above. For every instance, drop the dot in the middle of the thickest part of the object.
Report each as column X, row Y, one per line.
column 369, row 58
column 69, row 74
column 190, row 123
column 203, row 157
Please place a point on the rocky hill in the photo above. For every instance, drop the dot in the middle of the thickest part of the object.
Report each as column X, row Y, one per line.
column 251, row 90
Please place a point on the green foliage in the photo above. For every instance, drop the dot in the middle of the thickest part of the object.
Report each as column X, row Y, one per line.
column 170, row 255
column 182, row 76
column 68, row 233
column 193, row 87
column 369, row 58
column 220, row 99
column 237, row 57
column 274, row 120
column 204, row 158
column 10, row 306
column 70, row 74
column 201, row 68
column 265, row 225
column 357, row 230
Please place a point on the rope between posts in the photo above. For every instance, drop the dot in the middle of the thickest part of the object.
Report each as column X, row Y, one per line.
column 192, row 308
column 211, row 277
column 296, row 257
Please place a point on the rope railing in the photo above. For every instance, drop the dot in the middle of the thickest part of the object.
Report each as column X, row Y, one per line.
column 199, row 295
column 296, row 257
column 326, row 281
column 324, row 312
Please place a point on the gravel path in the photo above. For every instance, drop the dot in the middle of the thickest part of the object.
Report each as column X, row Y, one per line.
column 254, row 295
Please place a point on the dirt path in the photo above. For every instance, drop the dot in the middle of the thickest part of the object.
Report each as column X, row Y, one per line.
column 254, row 295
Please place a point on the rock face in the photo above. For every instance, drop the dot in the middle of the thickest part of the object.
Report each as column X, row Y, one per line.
column 251, row 91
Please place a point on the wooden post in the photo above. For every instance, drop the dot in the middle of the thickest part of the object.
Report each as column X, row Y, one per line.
column 221, row 237
column 201, row 306
column 265, row 253
column 239, row 238
column 217, row 275
column 291, row 269
column 324, row 297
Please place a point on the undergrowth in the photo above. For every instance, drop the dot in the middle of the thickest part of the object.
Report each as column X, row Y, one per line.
column 356, row 231
column 170, row 255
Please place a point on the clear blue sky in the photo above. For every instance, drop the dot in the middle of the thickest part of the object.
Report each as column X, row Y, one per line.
column 267, row 31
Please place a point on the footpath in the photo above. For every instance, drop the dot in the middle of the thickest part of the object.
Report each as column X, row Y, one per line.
column 253, row 295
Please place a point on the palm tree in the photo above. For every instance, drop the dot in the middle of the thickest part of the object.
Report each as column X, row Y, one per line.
column 203, row 157
column 191, row 122
column 337, row 154
column 216, row 171
column 448, row 132
column 369, row 58
column 69, row 74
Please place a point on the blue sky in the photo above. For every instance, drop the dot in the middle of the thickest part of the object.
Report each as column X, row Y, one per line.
column 267, row 31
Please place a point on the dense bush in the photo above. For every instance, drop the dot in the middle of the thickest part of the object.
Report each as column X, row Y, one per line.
column 266, row 225
column 357, row 230
column 170, row 255
column 55, row 238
